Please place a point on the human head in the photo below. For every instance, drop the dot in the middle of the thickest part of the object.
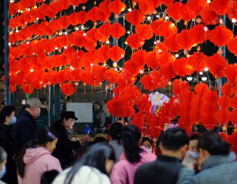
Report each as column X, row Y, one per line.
column 130, row 139
column 174, row 142
column 210, row 143
column 44, row 101
column 100, row 156
column 46, row 137
column 69, row 99
column 99, row 139
column 193, row 142
column 3, row 161
column 97, row 105
column 147, row 143
column 33, row 106
column 48, row 176
column 115, row 131
column 7, row 115
column 68, row 119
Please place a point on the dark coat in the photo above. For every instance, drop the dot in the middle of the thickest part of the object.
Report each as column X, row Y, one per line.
column 7, row 141
column 164, row 170
column 25, row 130
column 64, row 146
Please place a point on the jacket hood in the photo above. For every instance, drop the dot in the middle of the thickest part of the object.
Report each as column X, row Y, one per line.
column 215, row 160
column 33, row 154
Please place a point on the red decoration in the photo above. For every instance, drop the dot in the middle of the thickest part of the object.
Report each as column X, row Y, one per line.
column 144, row 31
column 183, row 40
column 135, row 17
column 135, row 41
column 232, row 46
column 117, row 6
column 116, row 30
column 115, row 53
column 68, row 89
column 220, row 6
column 209, row 16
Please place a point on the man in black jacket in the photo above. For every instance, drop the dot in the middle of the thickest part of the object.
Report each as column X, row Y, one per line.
column 65, row 144
column 26, row 125
column 166, row 168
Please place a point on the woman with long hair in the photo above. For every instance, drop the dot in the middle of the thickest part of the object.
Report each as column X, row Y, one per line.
column 93, row 168
column 36, row 158
column 134, row 155
column 218, row 162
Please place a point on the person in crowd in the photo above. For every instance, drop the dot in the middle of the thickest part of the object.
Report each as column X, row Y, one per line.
column 44, row 107
column 3, row 160
column 133, row 157
column 98, row 117
column 198, row 127
column 115, row 138
column 48, row 177
column 166, row 168
column 106, row 114
column 230, row 128
column 36, row 158
column 7, row 141
column 192, row 154
column 218, row 162
column 147, row 143
column 99, row 139
column 65, row 144
column 93, row 168
column 26, row 125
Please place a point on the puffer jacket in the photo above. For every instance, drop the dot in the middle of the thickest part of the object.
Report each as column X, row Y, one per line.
column 215, row 170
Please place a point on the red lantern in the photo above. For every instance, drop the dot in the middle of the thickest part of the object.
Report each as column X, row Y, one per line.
column 68, row 89
column 135, row 41
column 117, row 6
column 115, row 53
column 144, row 31
column 135, row 17
column 116, row 30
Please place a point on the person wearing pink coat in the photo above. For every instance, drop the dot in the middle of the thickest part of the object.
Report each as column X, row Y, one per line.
column 134, row 156
column 33, row 161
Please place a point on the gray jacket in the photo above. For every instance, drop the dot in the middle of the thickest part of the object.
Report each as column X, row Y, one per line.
column 215, row 170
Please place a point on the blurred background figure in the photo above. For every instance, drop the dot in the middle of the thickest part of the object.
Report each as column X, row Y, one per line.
column 65, row 144
column 93, row 168
column 133, row 157
column 7, row 141
column 99, row 139
column 98, row 117
column 167, row 166
column 44, row 107
column 192, row 154
column 147, row 143
column 218, row 162
column 36, row 158
column 3, row 160
column 115, row 139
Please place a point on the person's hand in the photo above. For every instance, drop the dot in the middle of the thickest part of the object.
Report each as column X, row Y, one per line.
column 84, row 139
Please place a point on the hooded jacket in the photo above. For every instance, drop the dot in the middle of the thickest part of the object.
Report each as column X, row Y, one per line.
column 215, row 170
column 124, row 171
column 37, row 161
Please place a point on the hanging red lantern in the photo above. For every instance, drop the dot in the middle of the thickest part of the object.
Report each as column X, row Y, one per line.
column 171, row 44
column 197, row 61
column 183, row 40
column 115, row 53
column 220, row 35
column 116, row 30
column 231, row 45
column 186, row 13
column 68, row 89
column 91, row 14
column 146, row 7
column 173, row 11
column 232, row 10
column 135, row 41
column 27, row 88
column 197, row 34
column 135, row 17
column 117, row 6
column 209, row 16
column 220, row 6
column 144, row 31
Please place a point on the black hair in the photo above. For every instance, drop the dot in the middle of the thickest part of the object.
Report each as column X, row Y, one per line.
column 42, row 137
column 6, row 111
column 69, row 98
column 48, row 177
column 214, row 144
column 115, row 131
column 3, row 155
column 174, row 138
column 130, row 137
column 146, row 139
column 194, row 136
column 98, row 103
column 99, row 139
column 95, row 157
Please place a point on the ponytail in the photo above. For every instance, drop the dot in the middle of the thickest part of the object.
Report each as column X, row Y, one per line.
column 130, row 138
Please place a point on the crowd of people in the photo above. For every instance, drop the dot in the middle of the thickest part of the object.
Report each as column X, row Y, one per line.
column 42, row 156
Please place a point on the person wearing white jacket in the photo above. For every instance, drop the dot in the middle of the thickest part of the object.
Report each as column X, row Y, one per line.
column 93, row 168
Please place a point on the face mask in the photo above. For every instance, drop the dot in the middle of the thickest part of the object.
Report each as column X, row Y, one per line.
column 3, row 171
column 150, row 150
column 194, row 154
column 13, row 120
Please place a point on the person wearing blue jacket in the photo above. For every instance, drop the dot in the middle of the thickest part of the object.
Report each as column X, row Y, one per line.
column 218, row 163
column 26, row 125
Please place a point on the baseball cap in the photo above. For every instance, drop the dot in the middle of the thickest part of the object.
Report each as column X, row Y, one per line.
column 33, row 103
column 68, row 114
